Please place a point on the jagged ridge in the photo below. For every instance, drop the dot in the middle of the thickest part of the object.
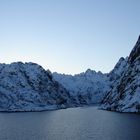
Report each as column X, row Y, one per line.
column 86, row 88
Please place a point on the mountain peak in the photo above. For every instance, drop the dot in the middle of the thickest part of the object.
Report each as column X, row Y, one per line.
column 135, row 53
column 89, row 71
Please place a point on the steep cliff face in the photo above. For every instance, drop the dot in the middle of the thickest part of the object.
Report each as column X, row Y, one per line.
column 88, row 87
column 28, row 87
column 125, row 93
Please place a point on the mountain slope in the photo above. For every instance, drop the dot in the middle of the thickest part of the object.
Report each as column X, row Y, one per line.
column 28, row 87
column 86, row 88
column 125, row 93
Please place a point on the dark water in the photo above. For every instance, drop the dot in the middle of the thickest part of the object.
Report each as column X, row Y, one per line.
column 70, row 124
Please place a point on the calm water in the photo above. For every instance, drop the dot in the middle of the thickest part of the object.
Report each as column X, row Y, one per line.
column 70, row 124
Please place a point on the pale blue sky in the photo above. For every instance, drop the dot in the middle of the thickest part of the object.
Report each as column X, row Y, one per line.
column 68, row 36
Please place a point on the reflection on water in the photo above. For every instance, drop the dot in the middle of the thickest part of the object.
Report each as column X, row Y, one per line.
column 70, row 124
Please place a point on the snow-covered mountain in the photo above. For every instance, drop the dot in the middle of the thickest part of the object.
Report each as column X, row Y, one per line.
column 88, row 87
column 124, row 95
column 28, row 87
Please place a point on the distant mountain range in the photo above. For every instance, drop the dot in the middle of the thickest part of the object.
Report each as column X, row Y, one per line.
column 88, row 87
column 28, row 87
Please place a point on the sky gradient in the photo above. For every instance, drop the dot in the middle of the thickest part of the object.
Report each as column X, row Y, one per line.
column 68, row 36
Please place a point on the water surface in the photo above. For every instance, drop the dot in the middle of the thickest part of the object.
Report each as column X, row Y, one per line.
column 85, row 123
